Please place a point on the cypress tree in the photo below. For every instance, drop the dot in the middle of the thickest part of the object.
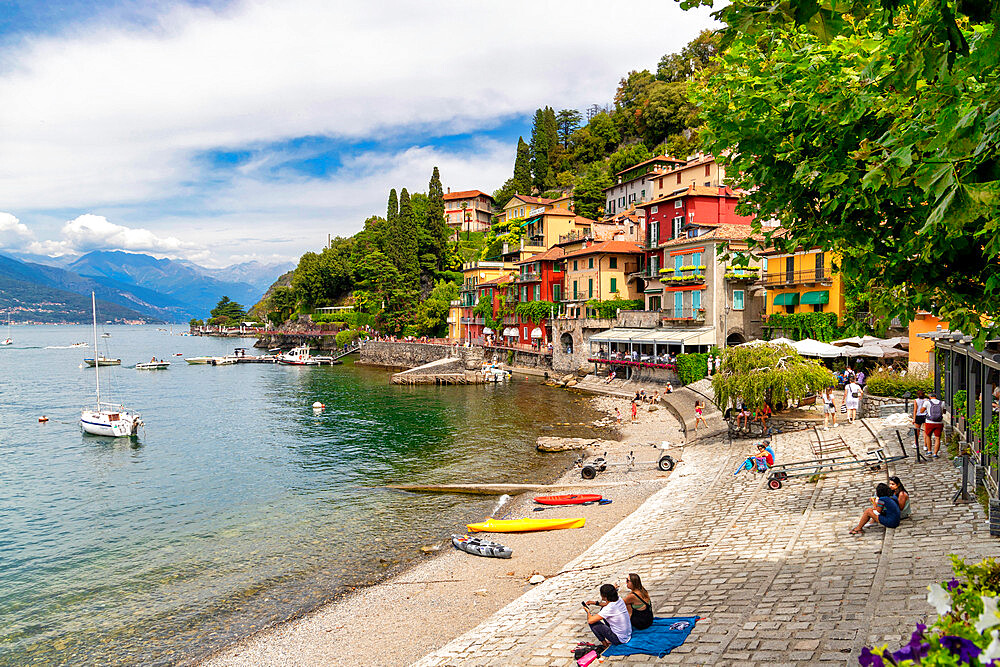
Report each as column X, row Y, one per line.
column 393, row 207
column 539, row 150
column 437, row 229
column 405, row 230
column 522, row 170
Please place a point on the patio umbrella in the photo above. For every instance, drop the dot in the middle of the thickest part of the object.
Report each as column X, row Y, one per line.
column 866, row 351
column 536, row 333
column 854, row 341
column 813, row 348
column 487, row 330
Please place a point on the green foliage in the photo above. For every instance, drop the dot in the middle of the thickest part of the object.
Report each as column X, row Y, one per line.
column 509, row 232
column 959, row 402
column 484, row 309
column 887, row 383
column 609, row 309
column 797, row 326
column 228, row 309
column 628, row 156
column 196, row 323
column 588, row 195
column 353, row 319
column 678, row 67
column 767, row 373
column 348, row 336
column 392, row 208
column 692, row 367
column 543, row 140
column 431, row 316
column 568, row 122
column 535, row 311
column 846, row 118
column 522, row 171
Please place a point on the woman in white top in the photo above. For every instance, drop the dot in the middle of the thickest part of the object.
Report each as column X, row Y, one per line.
column 829, row 407
column 852, row 398
column 920, row 414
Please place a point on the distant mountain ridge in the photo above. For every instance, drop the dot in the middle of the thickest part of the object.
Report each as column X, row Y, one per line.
column 157, row 289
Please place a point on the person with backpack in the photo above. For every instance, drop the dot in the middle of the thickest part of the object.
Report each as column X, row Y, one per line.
column 934, row 426
column 852, row 398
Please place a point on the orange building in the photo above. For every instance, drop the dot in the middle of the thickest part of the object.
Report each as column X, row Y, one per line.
column 921, row 349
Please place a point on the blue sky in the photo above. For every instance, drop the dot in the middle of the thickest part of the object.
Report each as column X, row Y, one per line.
column 226, row 131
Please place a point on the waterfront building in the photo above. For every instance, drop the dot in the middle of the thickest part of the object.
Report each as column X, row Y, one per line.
column 468, row 211
column 634, row 185
column 804, row 281
column 540, row 279
column 461, row 319
column 600, row 271
column 543, row 229
column 493, row 292
column 523, row 206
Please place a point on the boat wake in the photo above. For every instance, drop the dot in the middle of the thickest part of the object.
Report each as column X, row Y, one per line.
column 65, row 347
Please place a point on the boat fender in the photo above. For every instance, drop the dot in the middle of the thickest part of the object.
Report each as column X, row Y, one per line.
column 43, row 419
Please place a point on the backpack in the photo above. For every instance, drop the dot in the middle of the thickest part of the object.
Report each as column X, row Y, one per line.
column 935, row 411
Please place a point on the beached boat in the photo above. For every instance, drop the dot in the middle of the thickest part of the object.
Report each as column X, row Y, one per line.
column 480, row 547
column 107, row 419
column 154, row 365
column 572, row 499
column 199, row 360
column 102, row 361
column 524, row 525
column 298, row 356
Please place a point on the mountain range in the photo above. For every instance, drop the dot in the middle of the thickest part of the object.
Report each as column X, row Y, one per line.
column 133, row 286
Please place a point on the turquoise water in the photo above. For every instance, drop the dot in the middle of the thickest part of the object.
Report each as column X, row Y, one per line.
column 239, row 505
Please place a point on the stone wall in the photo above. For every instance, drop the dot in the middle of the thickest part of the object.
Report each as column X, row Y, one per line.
column 881, row 406
column 574, row 334
column 398, row 354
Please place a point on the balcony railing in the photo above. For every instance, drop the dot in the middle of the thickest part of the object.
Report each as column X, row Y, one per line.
column 797, row 277
column 472, row 320
column 682, row 313
column 529, row 277
column 744, row 275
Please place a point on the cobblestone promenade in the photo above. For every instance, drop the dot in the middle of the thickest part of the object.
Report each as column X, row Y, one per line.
column 775, row 574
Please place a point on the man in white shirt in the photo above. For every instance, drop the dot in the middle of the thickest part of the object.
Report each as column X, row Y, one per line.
column 611, row 624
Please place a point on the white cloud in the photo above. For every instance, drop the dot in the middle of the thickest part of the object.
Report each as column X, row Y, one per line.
column 109, row 116
column 95, row 232
column 14, row 234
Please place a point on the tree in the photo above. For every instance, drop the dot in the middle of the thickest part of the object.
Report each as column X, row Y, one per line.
column 568, row 121
column 668, row 111
column 522, row 170
column 281, row 302
column 588, row 195
column 871, row 133
column 435, row 225
column 392, row 210
column 679, row 67
column 228, row 309
column 602, row 127
column 503, row 194
column 540, row 146
column 628, row 156
column 586, row 146
column 404, row 242
column 630, row 102
column 766, row 373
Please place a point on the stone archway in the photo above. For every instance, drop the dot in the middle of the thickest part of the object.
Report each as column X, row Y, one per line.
column 566, row 341
column 735, row 338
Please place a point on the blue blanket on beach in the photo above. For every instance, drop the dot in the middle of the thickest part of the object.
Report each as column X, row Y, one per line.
column 659, row 639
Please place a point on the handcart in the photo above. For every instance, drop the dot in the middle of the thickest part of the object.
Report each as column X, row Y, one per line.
column 590, row 468
column 873, row 461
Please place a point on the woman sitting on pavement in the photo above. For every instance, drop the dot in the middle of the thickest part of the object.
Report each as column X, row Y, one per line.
column 640, row 608
column 902, row 497
column 884, row 510
column 611, row 624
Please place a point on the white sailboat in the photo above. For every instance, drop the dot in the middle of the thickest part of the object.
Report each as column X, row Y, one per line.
column 8, row 340
column 107, row 419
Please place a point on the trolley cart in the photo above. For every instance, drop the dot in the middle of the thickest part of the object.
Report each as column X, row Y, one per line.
column 873, row 461
column 590, row 468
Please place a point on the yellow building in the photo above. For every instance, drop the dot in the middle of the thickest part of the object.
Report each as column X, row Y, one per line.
column 600, row 271
column 802, row 282
column 545, row 228
column 523, row 206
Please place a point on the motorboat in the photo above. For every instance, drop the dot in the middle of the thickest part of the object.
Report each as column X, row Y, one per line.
column 105, row 335
column 102, row 361
column 79, row 345
column 199, row 360
column 154, row 365
column 227, row 360
column 107, row 419
column 298, row 356
column 8, row 340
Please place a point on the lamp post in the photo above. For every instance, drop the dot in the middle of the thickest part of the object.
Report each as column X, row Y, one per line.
column 725, row 324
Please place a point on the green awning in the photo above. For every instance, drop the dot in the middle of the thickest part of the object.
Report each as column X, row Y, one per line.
column 786, row 299
column 654, row 290
column 822, row 296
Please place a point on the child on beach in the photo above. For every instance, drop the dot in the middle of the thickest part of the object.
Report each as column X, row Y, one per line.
column 635, row 410
column 698, row 407
column 618, row 416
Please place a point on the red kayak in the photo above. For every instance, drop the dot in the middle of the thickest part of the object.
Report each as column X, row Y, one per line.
column 569, row 499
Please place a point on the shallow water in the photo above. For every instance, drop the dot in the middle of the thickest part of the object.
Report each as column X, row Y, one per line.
column 239, row 505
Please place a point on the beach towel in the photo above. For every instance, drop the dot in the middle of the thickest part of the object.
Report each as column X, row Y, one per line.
column 659, row 639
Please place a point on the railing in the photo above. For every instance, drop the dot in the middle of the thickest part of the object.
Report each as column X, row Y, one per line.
column 631, row 362
column 683, row 313
column 472, row 320
column 529, row 277
column 797, row 277
column 738, row 276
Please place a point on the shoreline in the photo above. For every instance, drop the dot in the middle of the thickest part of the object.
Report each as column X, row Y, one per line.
column 426, row 604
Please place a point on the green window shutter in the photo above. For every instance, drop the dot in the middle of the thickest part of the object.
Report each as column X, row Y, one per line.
column 696, row 299
column 590, row 263
column 738, row 299
column 590, row 288
column 678, row 262
column 614, row 285
column 613, row 262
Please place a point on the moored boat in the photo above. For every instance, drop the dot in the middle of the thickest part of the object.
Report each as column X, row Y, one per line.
column 102, row 361
column 154, row 365
column 569, row 499
column 106, row 419
column 199, row 360
column 480, row 547
column 298, row 356
column 524, row 525
column 222, row 361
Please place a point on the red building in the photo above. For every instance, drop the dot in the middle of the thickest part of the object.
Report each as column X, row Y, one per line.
column 540, row 279
column 492, row 292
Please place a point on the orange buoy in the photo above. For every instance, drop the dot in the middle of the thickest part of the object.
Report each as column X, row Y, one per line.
column 43, row 419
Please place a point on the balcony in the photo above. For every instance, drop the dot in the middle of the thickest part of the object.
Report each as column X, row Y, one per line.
column 670, row 277
column 472, row 320
column 740, row 275
column 807, row 277
column 576, row 236
column 680, row 314
column 530, row 277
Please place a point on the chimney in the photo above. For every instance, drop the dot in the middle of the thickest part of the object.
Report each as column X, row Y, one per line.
column 449, row 190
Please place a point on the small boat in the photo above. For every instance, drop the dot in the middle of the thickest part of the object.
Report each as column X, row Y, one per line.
column 105, row 335
column 107, row 419
column 199, row 360
column 524, row 525
column 222, row 361
column 102, row 361
column 154, row 365
column 480, row 547
column 79, row 345
column 298, row 356
column 571, row 499
column 8, row 340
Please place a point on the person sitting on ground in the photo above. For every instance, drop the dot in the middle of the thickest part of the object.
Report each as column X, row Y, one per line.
column 656, row 397
column 884, row 510
column 640, row 608
column 902, row 497
column 611, row 625
column 611, row 376
column 763, row 414
column 742, row 415
column 669, row 389
column 765, row 453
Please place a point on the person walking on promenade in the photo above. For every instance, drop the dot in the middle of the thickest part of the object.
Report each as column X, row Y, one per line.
column 698, row 408
column 618, row 416
column 611, row 624
column 829, row 408
column 635, row 410
column 709, row 366
column 919, row 414
column 852, row 399
column 934, row 426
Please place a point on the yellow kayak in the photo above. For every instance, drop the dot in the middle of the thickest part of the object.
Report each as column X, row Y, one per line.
column 524, row 525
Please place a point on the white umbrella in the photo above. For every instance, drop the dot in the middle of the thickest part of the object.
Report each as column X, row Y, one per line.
column 487, row 330
column 536, row 333
column 866, row 351
column 854, row 341
column 813, row 348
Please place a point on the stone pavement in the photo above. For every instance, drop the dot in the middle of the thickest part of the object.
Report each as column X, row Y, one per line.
column 775, row 575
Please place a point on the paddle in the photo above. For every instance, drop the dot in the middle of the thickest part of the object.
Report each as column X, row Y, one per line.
column 602, row 501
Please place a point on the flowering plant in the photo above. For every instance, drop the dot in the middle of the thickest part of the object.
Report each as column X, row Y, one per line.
column 967, row 630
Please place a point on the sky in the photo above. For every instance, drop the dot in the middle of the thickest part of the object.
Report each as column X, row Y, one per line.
column 222, row 132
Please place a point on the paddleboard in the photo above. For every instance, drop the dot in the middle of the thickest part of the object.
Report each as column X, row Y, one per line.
column 569, row 499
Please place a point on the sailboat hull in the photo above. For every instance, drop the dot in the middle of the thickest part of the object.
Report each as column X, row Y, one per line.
column 101, row 423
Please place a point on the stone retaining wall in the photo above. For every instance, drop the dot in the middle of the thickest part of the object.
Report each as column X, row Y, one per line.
column 880, row 406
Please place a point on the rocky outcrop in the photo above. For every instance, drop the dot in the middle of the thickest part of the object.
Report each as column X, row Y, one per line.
column 553, row 444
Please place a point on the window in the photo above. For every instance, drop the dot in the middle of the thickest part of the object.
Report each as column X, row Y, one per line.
column 654, row 233
column 557, row 293
column 696, row 259
column 678, row 177
column 737, row 299
column 654, row 266
column 524, row 293
column 537, row 294
column 621, row 201
column 576, row 293
column 696, row 300
column 790, row 269
column 678, row 304
column 576, row 266
column 612, row 263
column 654, row 209
column 820, row 259
column 678, row 203
column 631, row 198
column 708, row 170
column 611, row 206
column 678, row 262
column 642, row 195
column 817, row 308
column 708, row 184
column 590, row 263
column 678, row 221
column 590, row 288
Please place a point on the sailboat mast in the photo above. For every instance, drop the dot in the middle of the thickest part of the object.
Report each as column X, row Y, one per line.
column 97, row 357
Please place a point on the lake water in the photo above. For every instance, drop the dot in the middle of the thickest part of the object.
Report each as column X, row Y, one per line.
column 238, row 505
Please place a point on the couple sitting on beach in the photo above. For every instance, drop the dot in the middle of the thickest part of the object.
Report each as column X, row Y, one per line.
column 618, row 617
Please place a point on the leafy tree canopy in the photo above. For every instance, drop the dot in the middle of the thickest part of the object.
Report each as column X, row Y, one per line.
column 767, row 373
column 229, row 309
